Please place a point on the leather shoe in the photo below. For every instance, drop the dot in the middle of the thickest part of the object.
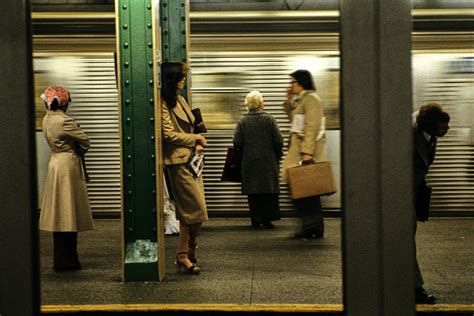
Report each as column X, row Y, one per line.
column 304, row 234
column 256, row 224
column 268, row 225
column 422, row 297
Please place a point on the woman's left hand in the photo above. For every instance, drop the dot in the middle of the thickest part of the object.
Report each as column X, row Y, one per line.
column 198, row 149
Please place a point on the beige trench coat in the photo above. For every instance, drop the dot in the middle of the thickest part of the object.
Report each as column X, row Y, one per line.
column 177, row 127
column 65, row 206
column 314, row 140
column 178, row 145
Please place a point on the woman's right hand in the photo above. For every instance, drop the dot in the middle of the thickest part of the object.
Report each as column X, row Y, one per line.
column 198, row 149
column 289, row 95
column 201, row 140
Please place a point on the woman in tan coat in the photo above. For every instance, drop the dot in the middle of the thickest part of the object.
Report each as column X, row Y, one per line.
column 65, row 208
column 307, row 144
column 179, row 144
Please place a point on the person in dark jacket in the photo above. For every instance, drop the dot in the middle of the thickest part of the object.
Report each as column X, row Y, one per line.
column 431, row 123
column 259, row 139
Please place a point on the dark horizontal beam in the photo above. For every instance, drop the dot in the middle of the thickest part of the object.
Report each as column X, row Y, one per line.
column 266, row 22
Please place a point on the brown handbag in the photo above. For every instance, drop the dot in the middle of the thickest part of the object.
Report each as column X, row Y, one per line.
column 313, row 179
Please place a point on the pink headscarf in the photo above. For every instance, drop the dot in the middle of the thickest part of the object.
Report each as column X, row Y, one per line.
column 55, row 93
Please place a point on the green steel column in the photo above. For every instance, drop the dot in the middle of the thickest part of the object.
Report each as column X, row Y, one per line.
column 174, row 28
column 134, row 30
column 174, row 20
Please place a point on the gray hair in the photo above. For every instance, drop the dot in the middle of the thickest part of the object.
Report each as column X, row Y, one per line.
column 254, row 100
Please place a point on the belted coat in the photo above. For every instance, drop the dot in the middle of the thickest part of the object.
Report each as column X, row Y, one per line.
column 179, row 141
column 65, row 206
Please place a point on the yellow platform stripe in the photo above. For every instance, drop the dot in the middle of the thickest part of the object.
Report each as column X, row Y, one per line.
column 458, row 308
column 327, row 308
column 279, row 308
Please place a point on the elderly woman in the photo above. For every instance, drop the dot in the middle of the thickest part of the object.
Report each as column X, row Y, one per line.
column 179, row 144
column 259, row 139
column 65, row 209
column 307, row 144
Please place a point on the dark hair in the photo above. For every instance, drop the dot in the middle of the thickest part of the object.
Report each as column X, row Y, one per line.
column 430, row 116
column 304, row 79
column 171, row 74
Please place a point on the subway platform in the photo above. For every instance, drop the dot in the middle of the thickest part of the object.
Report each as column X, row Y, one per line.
column 250, row 270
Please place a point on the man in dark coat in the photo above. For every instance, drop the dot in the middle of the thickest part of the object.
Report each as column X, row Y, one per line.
column 431, row 122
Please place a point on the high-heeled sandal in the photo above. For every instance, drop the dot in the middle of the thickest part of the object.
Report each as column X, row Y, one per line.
column 193, row 269
column 193, row 257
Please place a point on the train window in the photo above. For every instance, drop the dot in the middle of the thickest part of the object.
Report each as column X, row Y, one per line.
column 220, row 83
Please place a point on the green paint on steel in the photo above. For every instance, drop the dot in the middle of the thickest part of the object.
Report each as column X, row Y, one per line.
column 141, row 271
column 173, row 24
column 138, row 138
column 174, row 32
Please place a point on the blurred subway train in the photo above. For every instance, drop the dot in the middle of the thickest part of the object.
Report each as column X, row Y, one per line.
column 233, row 52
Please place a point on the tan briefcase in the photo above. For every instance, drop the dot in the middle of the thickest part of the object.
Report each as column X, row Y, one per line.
column 313, row 179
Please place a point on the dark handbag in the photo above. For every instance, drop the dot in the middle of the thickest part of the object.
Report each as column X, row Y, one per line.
column 232, row 166
column 199, row 126
column 422, row 203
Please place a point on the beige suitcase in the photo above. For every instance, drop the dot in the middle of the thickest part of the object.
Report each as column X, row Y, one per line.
column 313, row 179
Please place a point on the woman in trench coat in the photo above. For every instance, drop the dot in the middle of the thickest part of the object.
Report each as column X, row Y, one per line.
column 259, row 139
column 65, row 208
column 179, row 144
column 307, row 143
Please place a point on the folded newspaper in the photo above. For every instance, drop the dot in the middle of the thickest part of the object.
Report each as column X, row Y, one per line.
column 298, row 124
column 196, row 165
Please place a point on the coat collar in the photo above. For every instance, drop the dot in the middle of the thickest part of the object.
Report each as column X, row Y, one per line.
column 302, row 95
column 305, row 92
column 256, row 111
column 57, row 112
column 182, row 110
